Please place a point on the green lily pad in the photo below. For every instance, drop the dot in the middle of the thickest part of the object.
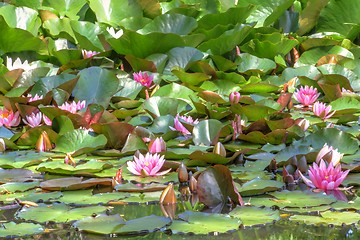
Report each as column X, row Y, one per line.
column 58, row 212
column 59, row 167
column 21, row 159
column 103, row 224
column 79, row 141
column 329, row 217
column 251, row 216
column 204, row 223
column 12, row 230
column 259, row 186
column 18, row 186
column 32, row 196
column 85, row 197
column 295, row 199
column 206, row 131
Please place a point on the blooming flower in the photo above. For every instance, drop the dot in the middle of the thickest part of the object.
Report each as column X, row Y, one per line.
column 306, row 95
column 143, row 78
column 114, row 34
column 34, row 98
column 157, row 145
column 47, row 120
column 9, row 118
column 321, row 110
column 73, row 107
column 329, row 154
column 234, row 98
column 148, row 165
column 325, row 177
column 33, row 120
column 178, row 125
column 17, row 64
column 88, row 54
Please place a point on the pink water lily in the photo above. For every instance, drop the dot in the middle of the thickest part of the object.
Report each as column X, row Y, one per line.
column 303, row 123
column 9, row 118
column 34, row 98
column 148, row 165
column 88, row 54
column 321, row 110
column 329, row 154
column 306, row 95
column 325, row 177
column 73, row 107
column 143, row 78
column 234, row 97
column 33, row 120
column 178, row 126
column 157, row 145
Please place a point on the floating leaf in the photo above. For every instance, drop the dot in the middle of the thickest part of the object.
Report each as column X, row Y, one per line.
column 251, row 216
column 259, row 186
column 204, row 223
column 12, row 230
column 329, row 217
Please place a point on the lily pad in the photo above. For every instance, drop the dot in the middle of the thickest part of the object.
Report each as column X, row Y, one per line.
column 86, row 169
column 329, row 217
column 251, row 216
column 18, row 186
column 12, row 230
column 259, row 186
column 204, row 223
column 104, row 224
column 58, row 212
column 86, row 197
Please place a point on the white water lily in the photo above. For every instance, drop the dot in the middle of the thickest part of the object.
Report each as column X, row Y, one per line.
column 17, row 64
column 114, row 34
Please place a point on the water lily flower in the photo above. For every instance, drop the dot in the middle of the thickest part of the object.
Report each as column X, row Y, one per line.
column 47, row 120
column 329, row 154
column 321, row 110
column 234, row 98
column 34, row 119
column 114, row 34
column 43, row 144
column 148, row 165
column 73, row 107
column 303, row 123
column 88, row 54
column 157, row 145
column 17, row 64
column 34, row 98
column 325, row 177
column 9, row 118
column 306, row 95
column 143, row 78
column 178, row 125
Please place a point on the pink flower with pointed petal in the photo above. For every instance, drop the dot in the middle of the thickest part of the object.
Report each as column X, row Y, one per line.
column 88, row 54
column 9, row 118
column 47, row 120
column 306, row 95
column 329, row 154
column 143, row 78
column 34, row 98
column 178, row 125
column 234, row 97
column 33, row 120
column 325, row 177
column 157, row 145
column 148, row 165
column 73, row 107
column 321, row 110
column 303, row 123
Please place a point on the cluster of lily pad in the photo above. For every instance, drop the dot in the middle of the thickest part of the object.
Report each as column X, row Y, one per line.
column 199, row 107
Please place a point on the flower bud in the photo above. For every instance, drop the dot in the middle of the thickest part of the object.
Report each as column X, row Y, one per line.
column 43, row 144
column 2, row 145
column 302, row 123
column 157, row 145
column 234, row 98
column 219, row 149
column 118, row 178
column 183, row 173
column 168, row 195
